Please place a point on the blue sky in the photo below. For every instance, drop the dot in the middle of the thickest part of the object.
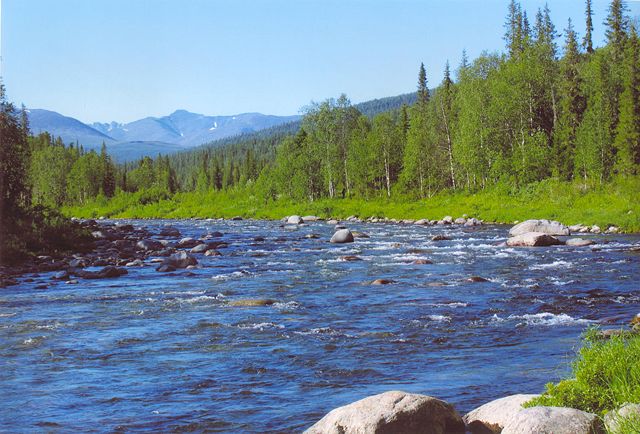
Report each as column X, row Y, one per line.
column 122, row 60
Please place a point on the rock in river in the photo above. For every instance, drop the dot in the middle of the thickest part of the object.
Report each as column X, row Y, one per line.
column 533, row 239
column 548, row 227
column 553, row 420
column 391, row 412
column 149, row 245
column 342, row 236
column 106, row 272
column 181, row 260
column 493, row 416
column 578, row 242
column 294, row 220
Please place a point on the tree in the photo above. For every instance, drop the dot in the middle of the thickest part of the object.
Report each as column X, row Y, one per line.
column 587, row 42
column 107, row 172
column 423, row 89
column 617, row 23
column 627, row 141
column 572, row 106
column 514, row 29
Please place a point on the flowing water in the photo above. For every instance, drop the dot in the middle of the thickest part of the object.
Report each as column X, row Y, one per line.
column 156, row 352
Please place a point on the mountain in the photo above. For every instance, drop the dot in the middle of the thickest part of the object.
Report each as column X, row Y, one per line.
column 181, row 130
column 71, row 130
column 188, row 129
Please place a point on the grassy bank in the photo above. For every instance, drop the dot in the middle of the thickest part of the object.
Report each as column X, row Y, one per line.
column 606, row 375
column 617, row 203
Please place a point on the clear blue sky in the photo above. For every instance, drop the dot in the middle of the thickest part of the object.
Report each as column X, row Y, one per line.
column 121, row 60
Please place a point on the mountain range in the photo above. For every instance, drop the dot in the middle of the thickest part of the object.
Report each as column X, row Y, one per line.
column 152, row 135
column 179, row 131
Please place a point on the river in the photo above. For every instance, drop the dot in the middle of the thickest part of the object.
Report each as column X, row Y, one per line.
column 154, row 351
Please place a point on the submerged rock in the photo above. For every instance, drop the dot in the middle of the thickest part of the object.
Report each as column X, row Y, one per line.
column 393, row 412
column 440, row 237
column 350, row 258
column 342, row 236
column 533, row 239
column 549, row 227
column 493, row 416
column 422, row 262
column 166, row 268
column 477, row 279
column 383, row 282
column 252, row 302
column 553, row 420
column 107, row 272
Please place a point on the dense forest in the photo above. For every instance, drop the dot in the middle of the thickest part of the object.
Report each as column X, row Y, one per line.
column 552, row 106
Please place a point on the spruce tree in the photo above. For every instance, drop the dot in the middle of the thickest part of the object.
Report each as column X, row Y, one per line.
column 617, row 24
column 587, row 42
column 423, row 90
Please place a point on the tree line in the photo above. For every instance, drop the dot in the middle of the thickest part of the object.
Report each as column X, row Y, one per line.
column 550, row 106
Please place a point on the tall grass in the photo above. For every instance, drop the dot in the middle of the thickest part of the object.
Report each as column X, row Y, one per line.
column 616, row 203
column 605, row 376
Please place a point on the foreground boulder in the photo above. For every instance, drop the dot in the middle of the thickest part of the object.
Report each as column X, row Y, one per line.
column 533, row 239
column 180, row 260
column 548, row 227
column 614, row 419
column 392, row 412
column 493, row 416
column 553, row 420
column 342, row 236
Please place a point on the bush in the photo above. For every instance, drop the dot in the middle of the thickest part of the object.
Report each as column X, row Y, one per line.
column 606, row 375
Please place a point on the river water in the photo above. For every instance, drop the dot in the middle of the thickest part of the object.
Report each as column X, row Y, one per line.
column 156, row 352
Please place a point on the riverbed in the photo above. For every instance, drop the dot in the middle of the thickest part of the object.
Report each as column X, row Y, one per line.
column 280, row 329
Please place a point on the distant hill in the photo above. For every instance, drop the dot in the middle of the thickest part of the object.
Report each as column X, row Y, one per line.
column 69, row 129
column 182, row 130
column 150, row 136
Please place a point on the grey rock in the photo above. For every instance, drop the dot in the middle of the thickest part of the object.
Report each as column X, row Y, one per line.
column 149, row 245
column 310, row 218
column 628, row 412
column 422, row 222
column 553, row 420
column 181, row 260
column 342, row 236
column 166, row 268
column 533, row 239
column 188, row 243
column 393, row 412
column 493, row 416
column 200, row 248
column 294, row 220
column 578, row 242
column 460, row 221
column 548, row 227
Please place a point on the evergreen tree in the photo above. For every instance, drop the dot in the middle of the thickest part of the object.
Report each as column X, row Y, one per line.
column 617, row 23
column 514, row 29
column 107, row 172
column 587, row 42
column 627, row 140
column 423, row 89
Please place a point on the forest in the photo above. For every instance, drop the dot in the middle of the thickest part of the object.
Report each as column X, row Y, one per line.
column 551, row 107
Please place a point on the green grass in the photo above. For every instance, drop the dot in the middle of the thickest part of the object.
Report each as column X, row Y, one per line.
column 617, row 203
column 605, row 376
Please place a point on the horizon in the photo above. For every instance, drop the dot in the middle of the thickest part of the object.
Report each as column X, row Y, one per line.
column 147, row 53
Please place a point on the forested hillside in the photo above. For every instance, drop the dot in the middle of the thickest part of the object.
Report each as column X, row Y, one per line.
column 551, row 107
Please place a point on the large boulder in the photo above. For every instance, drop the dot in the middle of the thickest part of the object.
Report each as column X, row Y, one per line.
column 533, row 239
column 553, row 420
column 295, row 220
column 627, row 414
column 548, row 227
column 180, row 260
column 392, row 412
column 493, row 416
column 342, row 236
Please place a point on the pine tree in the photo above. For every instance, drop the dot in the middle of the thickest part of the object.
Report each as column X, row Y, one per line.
column 627, row 140
column 514, row 29
column 587, row 42
column 617, row 24
column 572, row 106
column 108, row 172
column 423, row 90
